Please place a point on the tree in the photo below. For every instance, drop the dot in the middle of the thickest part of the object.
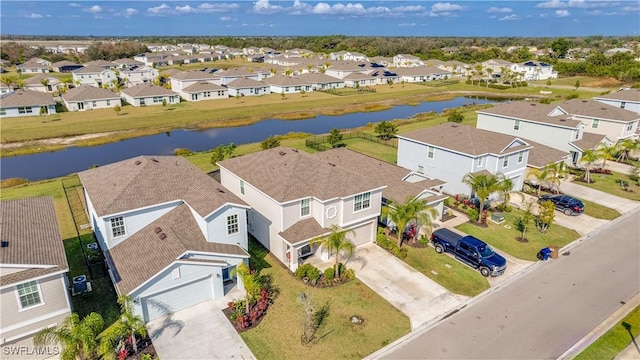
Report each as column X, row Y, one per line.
column 577, row 84
column 606, row 152
column 117, row 109
column 270, row 142
column 560, row 46
column 557, row 172
column 504, row 188
column 250, row 281
column 77, row 337
column 588, row 158
column 386, row 129
column 335, row 137
column 414, row 211
column 540, row 175
column 625, row 147
column 455, row 116
column 522, row 222
column 482, row 185
column 128, row 324
column 164, row 104
column 546, row 214
column 336, row 241
column 222, row 151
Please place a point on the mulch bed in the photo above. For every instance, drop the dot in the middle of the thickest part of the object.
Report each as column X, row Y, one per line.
column 228, row 312
column 145, row 346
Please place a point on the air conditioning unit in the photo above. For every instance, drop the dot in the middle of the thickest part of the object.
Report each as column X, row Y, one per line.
column 80, row 284
column 93, row 246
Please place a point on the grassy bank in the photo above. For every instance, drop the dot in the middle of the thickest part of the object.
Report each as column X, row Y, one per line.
column 614, row 340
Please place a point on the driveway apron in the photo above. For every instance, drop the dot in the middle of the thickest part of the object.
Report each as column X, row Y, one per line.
column 408, row 290
column 605, row 199
column 198, row 332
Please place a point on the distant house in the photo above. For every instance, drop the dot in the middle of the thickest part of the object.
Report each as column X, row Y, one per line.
column 406, row 60
column 295, row 197
column 180, row 80
column 127, row 62
column 347, row 56
column 224, row 77
column 248, row 87
column 170, row 233
column 497, row 66
column 204, row 91
column 26, row 103
column 65, row 66
column 342, row 69
column 33, row 272
column 43, row 83
column 628, row 99
column 450, row 151
column 287, row 85
column 35, row 66
column 134, row 75
column 320, row 81
column 85, row 97
column 421, row 74
column 94, row 76
column 100, row 64
column 612, row 121
column 148, row 94
column 534, row 70
column 355, row 80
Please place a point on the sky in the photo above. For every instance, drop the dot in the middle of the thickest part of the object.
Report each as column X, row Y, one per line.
column 552, row 18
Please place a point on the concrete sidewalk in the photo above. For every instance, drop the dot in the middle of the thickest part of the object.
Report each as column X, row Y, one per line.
column 631, row 352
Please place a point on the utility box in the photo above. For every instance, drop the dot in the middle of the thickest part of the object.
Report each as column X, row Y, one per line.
column 80, row 284
column 554, row 251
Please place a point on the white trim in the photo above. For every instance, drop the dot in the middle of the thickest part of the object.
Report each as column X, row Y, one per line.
column 237, row 224
column 27, row 266
column 17, row 292
column 235, row 256
column 33, row 321
column 124, row 225
column 460, row 152
column 35, row 278
column 28, row 333
column 145, row 296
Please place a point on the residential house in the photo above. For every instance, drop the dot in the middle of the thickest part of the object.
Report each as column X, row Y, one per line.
column 287, row 85
column 534, row 70
column 347, row 56
column 406, row 60
column 612, row 121
column 149, row 94
column 356, row 80
column 34, row 66
column 26, row 103
column 248, row 87
column 450, row 151
column 224, row 77
column 85, row 97
column 33, row 275
column 204, row 91
column 94, row 76
column 381, row 61
column 65, row 66
column 183, row 79
column 295, row 197
column 135, row 74
column 495, row 66
column 628, row 99
column 171, row 234
column 421, row 74
column 153, row 59
column 342, row 69
column 5, row 89
column 100, row 64
column 546, row 124
column 321, row 81
column 43, row 83
column 127, row 62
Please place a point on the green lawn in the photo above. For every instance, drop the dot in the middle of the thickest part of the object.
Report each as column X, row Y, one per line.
column 614, row 340
column 449, row 272
column 503, row 236
column 607, row 183
column 599, row 211
column 278, row 335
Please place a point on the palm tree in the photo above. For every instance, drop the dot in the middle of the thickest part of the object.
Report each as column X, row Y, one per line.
column 504, row 188
column 606, row 152
column 482, row 185
column 589, row 157
column 336, row 241
column 540, row 175
column 77, row 337
column 127, row 324
column 625, row 147
column 413, row 210
column 557, row 171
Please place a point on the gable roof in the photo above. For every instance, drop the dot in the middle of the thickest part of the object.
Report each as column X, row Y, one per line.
column 146, row 89
column 531, row 111
column 466, row 139
column 419, row 70
column 287, row 174
column 27, row 98
column 31, row 229
column 203, row 86
column 303, row 230
column 589, row 141
column 623, row 95
column 34, row 63
column 91, row 70
column 150, row 180
column 245, row 83
column 392, row 175
column 145, row 253
column 37, row 80
column 316, row 78
column 282, row 80
column 596, row 109
column 193, row 75
column 542, row 155
column 87, row 92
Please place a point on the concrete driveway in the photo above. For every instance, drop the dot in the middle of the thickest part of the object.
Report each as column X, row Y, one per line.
column 198, row 332
column 605, row 199
column 408, row 290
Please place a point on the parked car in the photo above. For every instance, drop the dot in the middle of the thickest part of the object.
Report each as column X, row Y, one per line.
column 470, row 250
column 565, row 203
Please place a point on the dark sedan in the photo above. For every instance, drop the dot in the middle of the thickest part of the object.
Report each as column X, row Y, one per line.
column 565, row 203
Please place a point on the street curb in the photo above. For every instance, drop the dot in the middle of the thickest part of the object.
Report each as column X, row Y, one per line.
column 604, row 326
column 435, row 321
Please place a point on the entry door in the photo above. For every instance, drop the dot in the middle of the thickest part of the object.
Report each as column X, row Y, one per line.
column 80, row 106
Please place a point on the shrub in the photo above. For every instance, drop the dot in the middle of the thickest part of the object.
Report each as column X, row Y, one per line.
column 455, row 117
column 499, row 87
column 6, row 183
column 349, row 274
column 329, row 274
column 473, row 214
column 313, row 273
column 182, row 152
column 572, row 96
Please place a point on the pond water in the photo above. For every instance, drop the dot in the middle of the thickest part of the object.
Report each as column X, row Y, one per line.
column 54, row 164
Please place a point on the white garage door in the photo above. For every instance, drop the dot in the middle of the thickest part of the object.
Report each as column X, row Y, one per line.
column 177, row 298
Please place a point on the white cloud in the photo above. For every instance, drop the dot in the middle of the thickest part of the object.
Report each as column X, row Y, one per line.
column 34, row 16
column 265, row 7
column 159, row 10
column 562, row 13
column 577, row 4
column 412, row 8
column 445, row 9
column 218, row 7
column 407, row 24
column 322, row 8
column 185, row 9
column 94, row 9
column 628, row 8
column 74, row 4
column 494, row 9
column 509, row 17
column 129, row 12
column 225, row 18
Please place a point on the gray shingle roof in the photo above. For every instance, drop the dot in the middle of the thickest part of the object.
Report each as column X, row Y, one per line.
column 624, row 95
column 31, row 229
column 245, row 83
column 88, row 93
column 303, row 230
column 419, row 70
column 466, row 139
column 90, row 70
column 596, row 109
column 26, row 98
column 589, row 141
column 193, row 75
column 316, row 78
column 531, row 111
column 203, row 86
column 285, row 81
column 287, row 174
column 378, row 170
column 150, row 180
column 145, row 253
column 542, row 155
column 147, row 89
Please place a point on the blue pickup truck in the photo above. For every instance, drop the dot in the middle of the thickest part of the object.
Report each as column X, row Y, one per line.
column 470, row 250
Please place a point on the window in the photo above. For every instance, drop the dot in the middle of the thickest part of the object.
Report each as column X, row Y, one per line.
column 232, row 224
column 3, row 111
column 629, row 125
column 108, row 102
column 226, row 273
column 480, row 161
column 95, row 104
column 25, row 110
column 623, row 104
column 157, row 99
column 516, row 125
column 117, row 226
column 29, row 294
column 175, row 273
column 430, row 152
column 505, row 162
column 241, row 187
column 577, row 134
column 305, row 207
column 520, row 157
column 595, row 123
column 420, row 169
column 362, row 201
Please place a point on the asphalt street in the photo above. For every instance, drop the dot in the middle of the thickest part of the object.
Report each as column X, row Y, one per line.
column 545, row 311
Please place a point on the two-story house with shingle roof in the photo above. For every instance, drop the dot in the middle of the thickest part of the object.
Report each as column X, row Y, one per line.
column 43, row 83
column 181, row 80
column 628, row 99
column 604, row 119
column 170, row 233
column 87, row 97
column 295, row 197
column 94, row 76
column 34, row 288
column 26, row 103
column 450, row 151
column 224, row 77
column 135, row 74
column 148, row 95
column 406, row 60
column 35, row 66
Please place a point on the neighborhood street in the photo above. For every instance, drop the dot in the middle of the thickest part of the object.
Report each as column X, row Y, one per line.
column 546, row 311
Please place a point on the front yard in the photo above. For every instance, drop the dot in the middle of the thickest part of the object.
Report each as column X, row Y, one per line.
column 503, row 236
column 609, row 184
column 278, row 336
